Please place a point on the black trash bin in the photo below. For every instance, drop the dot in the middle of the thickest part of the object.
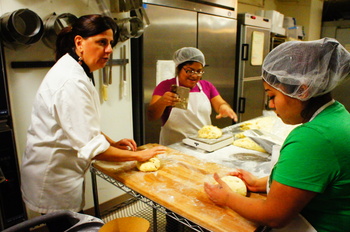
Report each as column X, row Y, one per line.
column 61, row 221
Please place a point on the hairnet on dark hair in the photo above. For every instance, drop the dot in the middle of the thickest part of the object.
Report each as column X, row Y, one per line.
column 306, row 69
column 188, row 54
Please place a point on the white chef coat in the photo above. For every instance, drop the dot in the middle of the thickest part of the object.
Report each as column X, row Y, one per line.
column 182, row 123
column 62, row 139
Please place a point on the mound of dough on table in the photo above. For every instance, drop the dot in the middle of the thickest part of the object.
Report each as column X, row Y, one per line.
column 209, row 132
column 248, row 144
column 151, row 165
column 260, row 123
column 265, row 123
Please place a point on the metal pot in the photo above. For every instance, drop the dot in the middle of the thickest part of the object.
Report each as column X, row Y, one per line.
column 124, row 5
column 53, row 24
column 20, row 28
column 130, row 28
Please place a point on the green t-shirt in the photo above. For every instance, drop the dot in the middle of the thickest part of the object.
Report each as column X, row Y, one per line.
column 316, row 157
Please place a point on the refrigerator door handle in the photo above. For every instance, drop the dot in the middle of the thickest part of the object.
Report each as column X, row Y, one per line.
column 245, row 50
column 241, row 106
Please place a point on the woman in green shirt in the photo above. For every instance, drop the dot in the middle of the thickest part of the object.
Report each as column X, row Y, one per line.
column 311, row 179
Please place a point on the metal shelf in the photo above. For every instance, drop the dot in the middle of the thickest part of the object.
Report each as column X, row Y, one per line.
column 46, row 64
column 145, row 200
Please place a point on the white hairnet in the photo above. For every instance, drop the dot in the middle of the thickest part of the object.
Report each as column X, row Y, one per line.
column 306, row 69
column 188, row 54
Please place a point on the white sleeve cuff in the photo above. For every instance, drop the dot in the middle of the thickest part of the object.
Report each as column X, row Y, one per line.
column 94, row 147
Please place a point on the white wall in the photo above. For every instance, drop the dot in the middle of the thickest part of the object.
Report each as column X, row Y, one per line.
column 308, row 13
column 23, row 83
column 252, row 9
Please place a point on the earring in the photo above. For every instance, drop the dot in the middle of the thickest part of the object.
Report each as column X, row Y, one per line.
column 80, row 60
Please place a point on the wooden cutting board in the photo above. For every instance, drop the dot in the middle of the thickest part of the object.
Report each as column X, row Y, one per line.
column 179, row 186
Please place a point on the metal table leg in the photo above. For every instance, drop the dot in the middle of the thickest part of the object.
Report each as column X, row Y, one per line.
column 155, row 225
column 95, row 194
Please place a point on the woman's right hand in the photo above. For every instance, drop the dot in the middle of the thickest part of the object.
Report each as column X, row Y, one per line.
column 146, row 154
column 253, row 183
column 159, row 103
column 169, row 98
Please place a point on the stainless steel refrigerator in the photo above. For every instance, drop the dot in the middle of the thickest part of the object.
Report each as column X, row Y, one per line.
column 253, row 46
column 339, row 30
column 209, row 25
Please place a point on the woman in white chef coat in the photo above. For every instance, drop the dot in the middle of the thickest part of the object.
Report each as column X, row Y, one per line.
column 309, row 186
column 179, row 123
column 65, row 135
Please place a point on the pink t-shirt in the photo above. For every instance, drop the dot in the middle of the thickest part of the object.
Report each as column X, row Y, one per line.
column 165, row 86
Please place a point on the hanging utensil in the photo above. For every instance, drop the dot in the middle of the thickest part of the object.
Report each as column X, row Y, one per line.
column 107, row 70
column 123, row 80
column 124, row 72
column 21, row 28
column 53, row 24
column 125, row 5
column 104, row 84
column 103, row 8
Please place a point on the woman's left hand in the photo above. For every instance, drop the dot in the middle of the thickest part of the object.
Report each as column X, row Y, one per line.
column 126, row 144
column 218, row 193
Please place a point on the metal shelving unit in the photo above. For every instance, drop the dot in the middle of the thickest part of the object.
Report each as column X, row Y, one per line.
column 155, row 206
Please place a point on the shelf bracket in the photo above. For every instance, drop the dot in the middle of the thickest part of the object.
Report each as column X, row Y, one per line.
column 46, row 64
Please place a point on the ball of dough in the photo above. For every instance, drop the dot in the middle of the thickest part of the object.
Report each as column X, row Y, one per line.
column 151, row 165
column 236, row 184
column 210, row 132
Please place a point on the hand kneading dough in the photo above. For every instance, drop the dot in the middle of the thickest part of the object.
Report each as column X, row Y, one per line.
column 236, row 184
column 210, row 132
column 151, row 165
